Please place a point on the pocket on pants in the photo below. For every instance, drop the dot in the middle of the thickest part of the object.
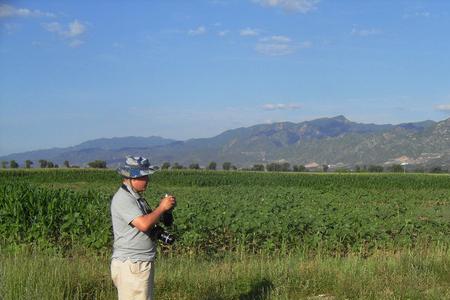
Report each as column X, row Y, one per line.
column 140, row 267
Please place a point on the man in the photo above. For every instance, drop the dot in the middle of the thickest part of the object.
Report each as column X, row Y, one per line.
column 134, row 250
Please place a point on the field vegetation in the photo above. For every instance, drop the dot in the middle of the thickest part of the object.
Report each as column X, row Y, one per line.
column 240, row 235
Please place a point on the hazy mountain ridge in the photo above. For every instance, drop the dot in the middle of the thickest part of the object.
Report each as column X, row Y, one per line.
column 324, row 141
column 103, row 149
column 118, row 143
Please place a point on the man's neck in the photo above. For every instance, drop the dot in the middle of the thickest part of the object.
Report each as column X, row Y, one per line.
column 131, row 189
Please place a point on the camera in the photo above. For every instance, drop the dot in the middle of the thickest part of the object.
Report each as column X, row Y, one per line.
column 160, row 233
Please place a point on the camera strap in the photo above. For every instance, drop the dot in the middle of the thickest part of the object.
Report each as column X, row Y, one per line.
column 141, row 202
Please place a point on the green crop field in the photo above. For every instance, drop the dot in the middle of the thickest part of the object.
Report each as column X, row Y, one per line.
column 238, row 235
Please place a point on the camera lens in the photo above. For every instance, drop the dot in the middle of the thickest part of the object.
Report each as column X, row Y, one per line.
column 166, row 238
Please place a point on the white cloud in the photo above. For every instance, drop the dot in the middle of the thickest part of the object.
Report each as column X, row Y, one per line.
column 443, row 107
column 304, row 45
column 223, row 33
column 278, row 45
column 198, row 31
column 73, row 31
column 11, row 11
column 424, row 14
column 218, row 2
column 281, row 106
column 248, row 32
column 276, row 38
column 76, row 43
column 37, row 44
column 9, row 28
column 76, row 28
column 275, row 49
column 303, row 6
column 417, row 14
column 365, row 32
column 53, row 27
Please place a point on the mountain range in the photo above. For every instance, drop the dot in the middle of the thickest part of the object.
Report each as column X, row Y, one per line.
column 333, row 141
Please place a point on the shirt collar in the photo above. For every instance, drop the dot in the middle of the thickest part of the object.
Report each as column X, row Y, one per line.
column 132, row 191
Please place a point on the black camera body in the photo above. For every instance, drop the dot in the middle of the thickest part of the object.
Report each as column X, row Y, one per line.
column 158, row 232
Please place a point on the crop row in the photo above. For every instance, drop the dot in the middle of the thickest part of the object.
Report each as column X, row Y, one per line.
column 214, row 217
column 197, row 178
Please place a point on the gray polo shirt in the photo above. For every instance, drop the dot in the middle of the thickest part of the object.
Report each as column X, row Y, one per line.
column 129, row 242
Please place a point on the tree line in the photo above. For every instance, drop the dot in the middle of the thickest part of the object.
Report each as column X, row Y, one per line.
column 228, row 166
column 47, row 164
column 286, row 167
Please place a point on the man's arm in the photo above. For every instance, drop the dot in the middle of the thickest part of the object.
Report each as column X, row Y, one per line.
column 146, row 222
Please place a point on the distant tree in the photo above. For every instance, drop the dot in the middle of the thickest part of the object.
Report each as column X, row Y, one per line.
column 360, row 168
column 298, row 168
column 259, row 168
column 396, row 168
column 233, row 167
column 419, row 170
column 226, row 166
column 50, row 164
column 165, row 165
column 13, row 164
column 212, row 165
column 56, row 166
column 272, row 167
column 66, row 164
column 4, row 164
column 278, row 167
column 342, row 170
column 194, row 166
column 177, row 166
column 325, row 168
column 28, row 163
column 98, row 164
column 43, row 163
column 375, row 169
column 436, row 169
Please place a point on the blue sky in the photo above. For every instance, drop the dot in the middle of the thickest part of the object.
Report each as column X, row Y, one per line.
column 71, row 71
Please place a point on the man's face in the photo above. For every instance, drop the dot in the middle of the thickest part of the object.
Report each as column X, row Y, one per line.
column 140, row 183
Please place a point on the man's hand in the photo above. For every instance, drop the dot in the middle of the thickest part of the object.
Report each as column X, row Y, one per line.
column 167, row 203
column 146, row 222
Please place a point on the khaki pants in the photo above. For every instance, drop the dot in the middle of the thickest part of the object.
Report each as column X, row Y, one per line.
column 134, row 280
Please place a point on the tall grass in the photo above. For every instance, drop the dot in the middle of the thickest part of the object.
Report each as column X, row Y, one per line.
column 417, row 274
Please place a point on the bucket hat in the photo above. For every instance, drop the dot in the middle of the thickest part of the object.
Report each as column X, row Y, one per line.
column 136, row 166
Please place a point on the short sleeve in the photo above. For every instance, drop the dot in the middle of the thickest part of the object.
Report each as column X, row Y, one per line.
column 125, row 207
